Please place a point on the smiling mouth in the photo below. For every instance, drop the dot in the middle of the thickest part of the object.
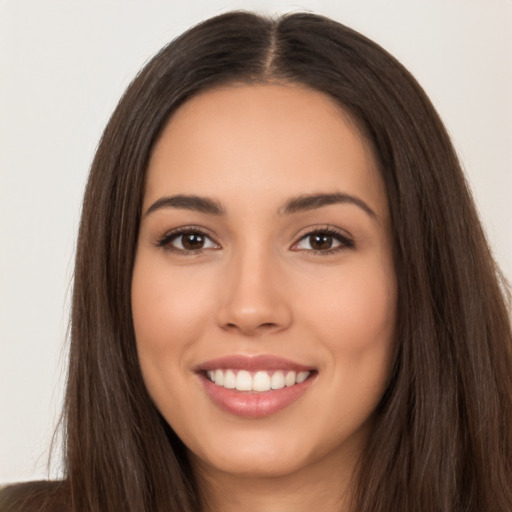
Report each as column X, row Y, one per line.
column 257, row 381
column 254, row 386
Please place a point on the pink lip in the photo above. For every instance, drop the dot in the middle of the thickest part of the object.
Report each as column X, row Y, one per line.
column 252, row 363
column 250, row 404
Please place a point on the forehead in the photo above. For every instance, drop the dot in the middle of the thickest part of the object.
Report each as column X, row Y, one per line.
column 261, row 141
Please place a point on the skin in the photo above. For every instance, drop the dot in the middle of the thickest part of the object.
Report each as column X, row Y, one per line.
column 258, row 287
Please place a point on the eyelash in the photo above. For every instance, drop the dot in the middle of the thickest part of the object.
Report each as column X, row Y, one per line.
column 166, row 241
column 344, row 241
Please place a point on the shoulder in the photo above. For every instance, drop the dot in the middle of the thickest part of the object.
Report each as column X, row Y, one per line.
column 40, row 496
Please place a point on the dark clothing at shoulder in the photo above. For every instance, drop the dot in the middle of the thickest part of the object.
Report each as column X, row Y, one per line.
column 41, row 496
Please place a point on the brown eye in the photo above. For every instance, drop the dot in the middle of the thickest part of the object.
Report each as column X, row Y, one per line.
column 321, row 241
column 192, row 241
column 187, row 241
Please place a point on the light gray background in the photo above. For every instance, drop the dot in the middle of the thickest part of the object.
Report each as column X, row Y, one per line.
column 64, row 65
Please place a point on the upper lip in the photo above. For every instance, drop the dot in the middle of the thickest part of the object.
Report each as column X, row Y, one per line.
column 252, row 363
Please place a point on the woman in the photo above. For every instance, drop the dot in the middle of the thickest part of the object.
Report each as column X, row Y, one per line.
column 283, row 296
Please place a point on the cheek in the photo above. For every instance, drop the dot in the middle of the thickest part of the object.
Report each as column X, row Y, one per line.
column 356, row 316
column 358, row 329
column 169, row 312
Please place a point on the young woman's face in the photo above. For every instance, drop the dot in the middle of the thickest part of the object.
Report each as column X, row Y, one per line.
column 264, row 263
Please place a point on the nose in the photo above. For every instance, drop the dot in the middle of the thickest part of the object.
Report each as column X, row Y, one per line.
column 253, row 298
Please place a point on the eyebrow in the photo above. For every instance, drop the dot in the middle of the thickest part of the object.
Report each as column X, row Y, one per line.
column 314, row 201
column 297, row 204
column 186, row 202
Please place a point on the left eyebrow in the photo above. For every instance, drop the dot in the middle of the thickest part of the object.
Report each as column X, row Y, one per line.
column 314, row 201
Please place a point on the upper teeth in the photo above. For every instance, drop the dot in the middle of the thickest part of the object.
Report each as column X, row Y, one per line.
column 243, row 380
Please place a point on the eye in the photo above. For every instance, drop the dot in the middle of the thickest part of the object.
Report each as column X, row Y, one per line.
column 323, row 241
column 187, row 240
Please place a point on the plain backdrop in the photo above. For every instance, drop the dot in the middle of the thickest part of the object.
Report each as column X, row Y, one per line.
column 64, row 65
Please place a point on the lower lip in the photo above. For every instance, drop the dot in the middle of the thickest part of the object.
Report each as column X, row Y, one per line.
column 252, row 404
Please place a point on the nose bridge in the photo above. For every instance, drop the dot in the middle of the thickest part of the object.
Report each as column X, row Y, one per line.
column 253, row 299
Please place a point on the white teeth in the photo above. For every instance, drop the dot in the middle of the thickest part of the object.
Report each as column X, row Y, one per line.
column 277, row 380
column 302, row 376
column 289, row 380
column 259, row 381
column 243, row 381
column 229, row 379
column 219, row 377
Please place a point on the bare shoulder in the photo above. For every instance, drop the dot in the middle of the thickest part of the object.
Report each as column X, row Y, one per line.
column 40, row 496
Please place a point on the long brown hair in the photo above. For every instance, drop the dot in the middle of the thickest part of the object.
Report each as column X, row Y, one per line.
column 442, row 434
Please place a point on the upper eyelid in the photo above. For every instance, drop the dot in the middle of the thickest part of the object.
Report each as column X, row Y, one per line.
column 182, row 230
column 322, row 228
column 188, row 229
column 337, row 236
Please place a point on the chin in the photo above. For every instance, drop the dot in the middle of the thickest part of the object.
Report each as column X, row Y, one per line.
column 253, row 463
column 263, row 453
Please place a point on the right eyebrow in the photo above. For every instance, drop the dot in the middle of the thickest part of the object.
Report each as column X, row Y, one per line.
column 186, row 202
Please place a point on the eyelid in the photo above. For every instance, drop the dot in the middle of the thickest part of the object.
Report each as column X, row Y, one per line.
column 345, row 240
column 165, row 241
